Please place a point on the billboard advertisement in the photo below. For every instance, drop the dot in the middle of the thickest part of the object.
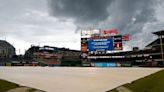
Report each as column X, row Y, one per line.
column 118, row 46
column 117, row 42
column 100, row 44
column 117, row 38
column 84, row 40
column 110, row 32
column 126, row 37
column 89, row 33
column 86, row 33
column 84, row 46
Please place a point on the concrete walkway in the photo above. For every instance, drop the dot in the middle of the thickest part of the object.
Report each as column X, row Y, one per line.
column 64, row 79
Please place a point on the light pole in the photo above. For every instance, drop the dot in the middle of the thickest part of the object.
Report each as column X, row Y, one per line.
column 161, row 44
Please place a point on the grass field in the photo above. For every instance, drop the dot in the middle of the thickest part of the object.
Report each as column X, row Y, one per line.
column 5, row 86
column 152, row 83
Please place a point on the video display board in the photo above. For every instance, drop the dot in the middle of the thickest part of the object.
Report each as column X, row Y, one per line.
column 118, row 46
column 117, row 42
column 84, row 46
column 105, row 44
column 96, row 40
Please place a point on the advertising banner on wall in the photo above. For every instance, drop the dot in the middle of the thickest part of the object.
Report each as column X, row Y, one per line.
column 105, row 64
column 100, row 44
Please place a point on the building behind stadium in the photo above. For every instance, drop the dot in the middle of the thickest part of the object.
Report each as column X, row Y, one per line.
column 6, row 49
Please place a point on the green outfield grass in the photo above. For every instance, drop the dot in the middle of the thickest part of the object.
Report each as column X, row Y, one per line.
column 5, row 86
column 151, row 83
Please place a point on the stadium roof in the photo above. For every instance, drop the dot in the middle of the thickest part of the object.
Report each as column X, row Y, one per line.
column 159, row 32
column 5, row 44
column 155, row 42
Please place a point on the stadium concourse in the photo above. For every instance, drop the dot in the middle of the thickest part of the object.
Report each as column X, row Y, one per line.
column 73, row 79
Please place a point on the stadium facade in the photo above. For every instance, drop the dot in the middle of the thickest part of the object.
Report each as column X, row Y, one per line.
column 53, row 56
column 94, row 51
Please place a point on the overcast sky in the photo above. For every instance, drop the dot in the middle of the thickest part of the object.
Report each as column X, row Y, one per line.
column 56, row 22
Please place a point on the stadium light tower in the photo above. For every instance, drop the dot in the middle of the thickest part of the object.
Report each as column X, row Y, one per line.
column 161, row 44
column 160, row 34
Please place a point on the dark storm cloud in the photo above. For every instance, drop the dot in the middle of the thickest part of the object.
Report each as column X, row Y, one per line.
column 133, row 14
column 124, row 14
column 83, row 11
column 129, row 16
